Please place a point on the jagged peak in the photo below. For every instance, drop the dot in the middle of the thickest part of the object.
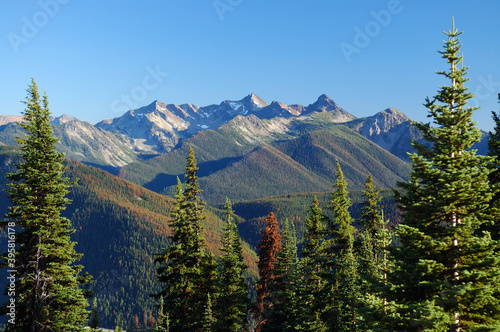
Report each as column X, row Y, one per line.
column 324, row 97
column 393, row 112
column 275, row 104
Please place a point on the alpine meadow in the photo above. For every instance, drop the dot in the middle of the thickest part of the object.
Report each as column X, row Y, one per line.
column 253, row 216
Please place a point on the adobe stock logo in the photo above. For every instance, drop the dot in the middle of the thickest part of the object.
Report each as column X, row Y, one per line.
column 222, row 6
column 138, row 93
column 486, row 88
column 31, row 27
column 372, row 29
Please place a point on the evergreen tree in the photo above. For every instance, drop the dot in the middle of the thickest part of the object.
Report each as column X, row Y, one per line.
column 47, row 294
column 372, row 243
column 207, row 320
column 494, row 148
column 446, row 276
column 282, row 298
column 94, row 316
column 233, row 301
column 342, row 315
column 186, row 270
column 268, row 250
column 312, row 267
column 494, row 177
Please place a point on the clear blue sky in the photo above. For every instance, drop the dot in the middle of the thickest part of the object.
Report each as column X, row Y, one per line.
column 96, row 58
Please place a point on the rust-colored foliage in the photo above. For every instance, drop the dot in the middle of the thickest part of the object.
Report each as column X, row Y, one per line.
column 269, row 248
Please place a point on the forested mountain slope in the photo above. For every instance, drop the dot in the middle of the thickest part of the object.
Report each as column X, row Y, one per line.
column 120, row 226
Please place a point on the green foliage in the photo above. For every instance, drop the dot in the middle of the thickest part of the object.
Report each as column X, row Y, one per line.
column 47, row 292
column 94, row 316
column 447, row 273
column 186, row 271
column 372, row 246
column 494, row 176
column 313, row 264
column 233, row 299
column 342, row 267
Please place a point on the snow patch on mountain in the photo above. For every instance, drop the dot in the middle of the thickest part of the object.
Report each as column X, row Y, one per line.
column 235, row 106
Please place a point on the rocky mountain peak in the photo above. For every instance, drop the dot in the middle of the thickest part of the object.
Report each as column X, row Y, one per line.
column 382, row 122
column 65, row 118
column 256, row 100
column 322, row 104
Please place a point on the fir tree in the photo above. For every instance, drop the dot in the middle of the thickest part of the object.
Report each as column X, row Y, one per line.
column 372, row 243
column 47, row 295
column 312, row 266
column 342, row 315
column 282, row 298
column 94, row 316
column 233, row 301
column 207, row 320
column 494, row 148
column 268, row 250
column 446, row 276
column 494, row 177
column 187, row 270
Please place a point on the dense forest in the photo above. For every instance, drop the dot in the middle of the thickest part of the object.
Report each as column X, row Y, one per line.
column 424, row 257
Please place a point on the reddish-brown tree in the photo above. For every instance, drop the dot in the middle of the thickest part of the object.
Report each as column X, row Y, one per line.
column 269, row 248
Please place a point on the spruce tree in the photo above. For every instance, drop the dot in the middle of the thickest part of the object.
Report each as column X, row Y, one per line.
column 342, row 315
column 94, row 316
column 233, row 301
column 187, row 271
column 312, row 267
column 268, row 250
column 494, row 177
column 372, row 246
column 494, row 146
column 281, row 302
column 47, row 294
column 446, row 274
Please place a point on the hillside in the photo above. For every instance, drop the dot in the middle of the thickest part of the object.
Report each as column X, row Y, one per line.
column 119, row 227
column 243, row 167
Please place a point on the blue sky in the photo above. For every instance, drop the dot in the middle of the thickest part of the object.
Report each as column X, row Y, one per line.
column 97, row 59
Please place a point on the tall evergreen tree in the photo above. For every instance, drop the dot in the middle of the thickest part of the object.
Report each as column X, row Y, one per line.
column 281, row 302
column 447, row 272
column 494, row 148
column 47, row 294
column 372, row 245
column 186, row 269
column 312, row 266
column 268, row 250
column 494, row 151
column 233, row 301
column 342, row 316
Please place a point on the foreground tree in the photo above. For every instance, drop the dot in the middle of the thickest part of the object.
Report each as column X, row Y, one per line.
column 281, row 311
column 371, row 246
column 187, row 271
column 342, row 315
column 494, row 151
column 447, row 271
column 268, row 251
column 233, row 301
column 312, row 266
column 47, row 294
column 494, row 147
